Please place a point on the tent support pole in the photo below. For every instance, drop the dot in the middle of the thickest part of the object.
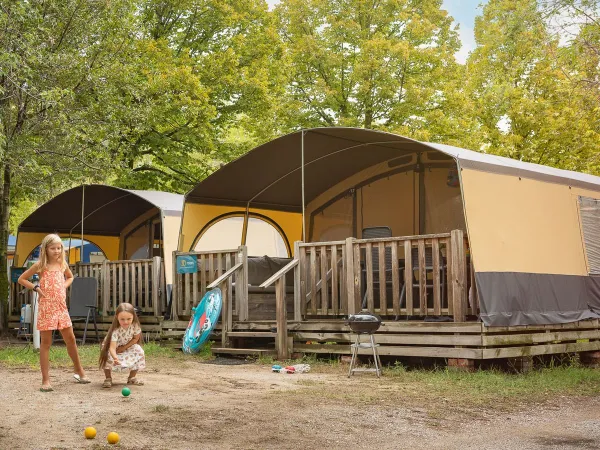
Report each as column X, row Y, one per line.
column 303, row 203
column 82, row 217
column 245, row 225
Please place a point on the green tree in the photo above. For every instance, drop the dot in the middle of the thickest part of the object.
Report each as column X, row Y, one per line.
column 524, row 98
column 372, row 64
column 51, row 53
column 203, row 91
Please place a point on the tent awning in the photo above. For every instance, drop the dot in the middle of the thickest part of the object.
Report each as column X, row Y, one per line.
column 270, row 175
column 107, row 209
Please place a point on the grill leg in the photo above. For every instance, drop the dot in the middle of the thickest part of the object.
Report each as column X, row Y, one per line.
column 376, row 359
column 354, row 354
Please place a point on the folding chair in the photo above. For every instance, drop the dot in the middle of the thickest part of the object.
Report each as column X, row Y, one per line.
column 84, row 295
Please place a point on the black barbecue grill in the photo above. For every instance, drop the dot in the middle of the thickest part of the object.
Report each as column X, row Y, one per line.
column 364, row 323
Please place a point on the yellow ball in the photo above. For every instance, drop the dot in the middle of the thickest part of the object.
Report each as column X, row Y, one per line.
column 112, row 437
column 90, row 433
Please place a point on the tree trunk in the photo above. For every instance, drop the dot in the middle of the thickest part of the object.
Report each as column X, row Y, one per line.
column 4, row 213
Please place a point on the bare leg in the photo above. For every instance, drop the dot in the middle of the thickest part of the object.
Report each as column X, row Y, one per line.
column 45, row 343
column 132, row 374
column 69, row 338
column 108, row 374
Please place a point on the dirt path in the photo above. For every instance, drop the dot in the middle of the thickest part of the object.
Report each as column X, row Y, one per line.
column 196, row 405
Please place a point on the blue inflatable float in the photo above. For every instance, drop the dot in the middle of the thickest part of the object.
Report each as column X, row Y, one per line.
column 204, row 319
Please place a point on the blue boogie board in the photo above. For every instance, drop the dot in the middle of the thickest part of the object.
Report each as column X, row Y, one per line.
column 203, row 321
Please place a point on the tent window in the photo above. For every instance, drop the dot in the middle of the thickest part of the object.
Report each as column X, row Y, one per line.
column 589, row 211
column 262, row 237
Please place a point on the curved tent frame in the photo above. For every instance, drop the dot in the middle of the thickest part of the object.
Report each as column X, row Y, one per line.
column 523, row 220
column 106, row 212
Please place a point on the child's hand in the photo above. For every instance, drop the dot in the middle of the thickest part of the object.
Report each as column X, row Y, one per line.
column 116, row 362
column 120, row 349
column 40, row 293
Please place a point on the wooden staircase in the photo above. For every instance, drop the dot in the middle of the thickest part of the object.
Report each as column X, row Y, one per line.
column 254, row 351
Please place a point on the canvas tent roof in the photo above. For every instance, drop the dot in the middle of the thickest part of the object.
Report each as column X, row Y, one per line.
column 270, row 175
column 107, row 209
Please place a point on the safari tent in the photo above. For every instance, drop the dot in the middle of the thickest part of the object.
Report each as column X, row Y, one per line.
column 369, row 220
column 136, row 231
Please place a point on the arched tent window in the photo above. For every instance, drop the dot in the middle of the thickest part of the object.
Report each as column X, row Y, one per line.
column 263, row 238
column 91, row 252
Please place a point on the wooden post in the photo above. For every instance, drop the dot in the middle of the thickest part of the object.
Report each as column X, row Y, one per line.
column 458, row 275
column 297, row 288
column 156, row 286
column 105, row 287
column 281, row 314
column 174, row 293
column 241, row 285
column 350, row 276
column 224, row 315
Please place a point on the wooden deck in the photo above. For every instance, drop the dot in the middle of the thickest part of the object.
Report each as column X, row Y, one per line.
column 427, row 298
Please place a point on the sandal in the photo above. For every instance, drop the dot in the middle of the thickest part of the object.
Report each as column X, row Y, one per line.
column 135, row 381
column 107, row 383
column 46, row 389
column 81, row 380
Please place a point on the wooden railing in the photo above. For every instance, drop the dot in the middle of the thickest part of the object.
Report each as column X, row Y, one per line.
column 139, row 282
column 435, row 266
column 281, row 341
column 189, row 288
column 323, row 278
column 225, row 284
column 428, row 275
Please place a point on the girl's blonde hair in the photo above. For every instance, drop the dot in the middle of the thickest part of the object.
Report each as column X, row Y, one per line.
column 46, row 242
column 123, row 307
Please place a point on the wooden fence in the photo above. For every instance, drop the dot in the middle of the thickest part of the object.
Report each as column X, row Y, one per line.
column 188, row 288
column 139, row 282
column 428, row 275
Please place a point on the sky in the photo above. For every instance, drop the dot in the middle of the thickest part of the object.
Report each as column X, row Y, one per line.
column 464, row 12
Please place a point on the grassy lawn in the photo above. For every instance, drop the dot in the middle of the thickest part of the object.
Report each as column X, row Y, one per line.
column 25, row 356
column 486, row 388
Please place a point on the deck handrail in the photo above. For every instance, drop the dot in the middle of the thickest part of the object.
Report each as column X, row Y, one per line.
column 225, row 282
column 226, row 275
column 289, row 266
column 402, row 238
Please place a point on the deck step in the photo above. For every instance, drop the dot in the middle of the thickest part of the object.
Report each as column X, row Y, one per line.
column 241, row 334
column 242, row 351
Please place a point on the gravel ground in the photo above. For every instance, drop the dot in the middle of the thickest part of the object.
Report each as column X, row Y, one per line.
column 195, row 405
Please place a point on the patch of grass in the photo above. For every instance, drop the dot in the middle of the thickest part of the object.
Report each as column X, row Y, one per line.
column 456, row 391
column 487, row 386
column 26, row 356
column 160, row 409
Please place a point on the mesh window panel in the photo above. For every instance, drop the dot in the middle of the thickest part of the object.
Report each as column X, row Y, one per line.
column 589, row 210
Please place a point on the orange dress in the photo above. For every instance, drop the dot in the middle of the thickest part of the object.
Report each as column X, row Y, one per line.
column 52, row 310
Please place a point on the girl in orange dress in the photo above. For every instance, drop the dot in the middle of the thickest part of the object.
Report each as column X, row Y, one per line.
column 55, row 278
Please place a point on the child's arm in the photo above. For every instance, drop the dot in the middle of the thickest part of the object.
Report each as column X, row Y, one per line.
column 134, row 340
column 68, row 277
column 24, row 278
column 113, row 352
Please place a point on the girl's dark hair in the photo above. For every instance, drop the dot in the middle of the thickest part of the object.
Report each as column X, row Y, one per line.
column 123, row 307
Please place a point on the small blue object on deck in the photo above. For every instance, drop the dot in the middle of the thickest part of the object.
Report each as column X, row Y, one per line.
column 187, row 264
column 203, row 321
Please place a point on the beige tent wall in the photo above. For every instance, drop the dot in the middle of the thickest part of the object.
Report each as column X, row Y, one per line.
column 197, row 216
column 171, row 225
column 134, row 224
column 523, row 225
column 27, row 242
column 443, row 203
column 389, row 202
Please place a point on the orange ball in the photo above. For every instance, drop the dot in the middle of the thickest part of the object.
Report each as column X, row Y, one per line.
column 90, row 433
column 112, row 437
